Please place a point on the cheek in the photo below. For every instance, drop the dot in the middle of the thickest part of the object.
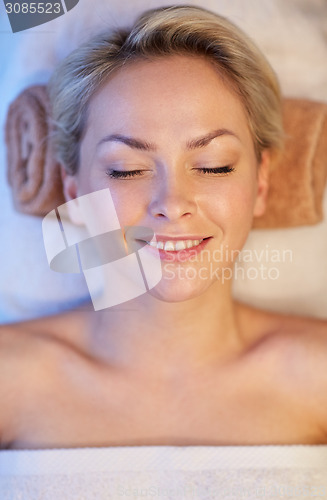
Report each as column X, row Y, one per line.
column 232, row 208
column 242, row 200
column 233, row 199
column 129, row 201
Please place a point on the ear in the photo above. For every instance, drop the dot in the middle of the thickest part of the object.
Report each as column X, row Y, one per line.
column 263, row 184
column 70, row 193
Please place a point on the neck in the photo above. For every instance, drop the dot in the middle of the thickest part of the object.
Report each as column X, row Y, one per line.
column 167, row 339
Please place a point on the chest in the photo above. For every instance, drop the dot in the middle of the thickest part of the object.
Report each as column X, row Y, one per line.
column 233, row 407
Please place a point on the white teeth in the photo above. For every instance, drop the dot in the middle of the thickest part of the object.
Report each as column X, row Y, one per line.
column 170, row 246
column 180, row 245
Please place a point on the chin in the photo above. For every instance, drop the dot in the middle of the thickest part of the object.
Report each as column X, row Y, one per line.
column 178, row 290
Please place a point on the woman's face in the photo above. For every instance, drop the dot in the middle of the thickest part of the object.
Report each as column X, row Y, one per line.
column 172, row 143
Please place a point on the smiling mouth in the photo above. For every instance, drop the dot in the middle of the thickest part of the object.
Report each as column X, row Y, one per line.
column 176, row 245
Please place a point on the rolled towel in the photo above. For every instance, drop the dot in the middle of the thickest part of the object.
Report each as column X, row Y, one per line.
column 298, row 178
column 32, row 171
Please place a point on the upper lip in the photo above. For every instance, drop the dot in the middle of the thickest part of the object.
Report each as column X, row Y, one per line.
column 161, row 237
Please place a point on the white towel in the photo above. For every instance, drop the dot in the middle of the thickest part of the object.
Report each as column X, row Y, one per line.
column 167, row 472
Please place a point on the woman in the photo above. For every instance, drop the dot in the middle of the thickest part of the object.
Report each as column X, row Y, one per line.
column 179, row 117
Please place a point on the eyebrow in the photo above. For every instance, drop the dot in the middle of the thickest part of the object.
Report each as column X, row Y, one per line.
column 199, row 142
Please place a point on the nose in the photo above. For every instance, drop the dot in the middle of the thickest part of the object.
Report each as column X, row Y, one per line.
column 172, row 199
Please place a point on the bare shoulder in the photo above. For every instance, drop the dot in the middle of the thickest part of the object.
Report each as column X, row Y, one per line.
column 16, row 353
column 304, row 339
column 300, row 352
column 31, row 344
column 30, row 354
column 294, row 352
column 23, row 352
column 18, row 347
column 299, row 343
column 304, row 342
column 258, row 324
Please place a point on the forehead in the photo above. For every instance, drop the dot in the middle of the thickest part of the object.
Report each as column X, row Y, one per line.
column 179, row 92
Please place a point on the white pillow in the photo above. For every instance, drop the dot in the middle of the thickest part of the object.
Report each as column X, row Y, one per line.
column 285, row 270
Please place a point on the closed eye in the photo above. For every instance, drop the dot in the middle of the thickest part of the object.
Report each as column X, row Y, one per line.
column 216, row 170
column 123, row 174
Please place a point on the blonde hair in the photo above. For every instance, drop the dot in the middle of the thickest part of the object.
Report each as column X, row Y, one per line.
column 184, row 30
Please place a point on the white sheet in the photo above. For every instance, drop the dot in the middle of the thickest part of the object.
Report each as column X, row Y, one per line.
column 170, row 472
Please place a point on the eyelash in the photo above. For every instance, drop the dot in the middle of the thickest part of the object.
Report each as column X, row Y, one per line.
column 125, row 174
column 217, row 170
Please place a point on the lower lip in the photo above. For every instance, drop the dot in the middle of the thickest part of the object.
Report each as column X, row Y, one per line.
column 179, row 255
